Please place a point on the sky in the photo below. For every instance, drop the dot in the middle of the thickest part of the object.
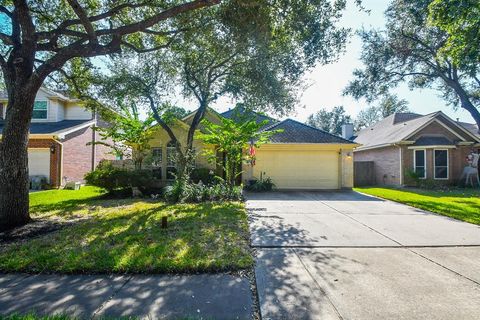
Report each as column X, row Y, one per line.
column 327, row 82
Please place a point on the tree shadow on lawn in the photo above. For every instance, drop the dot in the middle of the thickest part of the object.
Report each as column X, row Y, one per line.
column 204, row 237
column 47, row 218
column 67, row 207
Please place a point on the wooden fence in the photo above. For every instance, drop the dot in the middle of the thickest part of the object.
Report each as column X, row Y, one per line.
column 363, row 173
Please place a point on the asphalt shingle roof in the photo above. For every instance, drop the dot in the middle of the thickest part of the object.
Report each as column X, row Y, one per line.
column 297, row 132
column 52, row 127
column 471, row 127
column 397, row 127
column 391, row 130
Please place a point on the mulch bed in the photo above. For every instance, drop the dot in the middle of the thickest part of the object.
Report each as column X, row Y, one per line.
column 36, row 228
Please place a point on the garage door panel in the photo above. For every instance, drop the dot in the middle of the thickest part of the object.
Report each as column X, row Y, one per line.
column 39, row 162
column 299, row 169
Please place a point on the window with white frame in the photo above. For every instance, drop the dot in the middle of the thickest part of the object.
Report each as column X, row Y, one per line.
column 157, row 157
column 171, row 160
column 440, row 161
column 419, row 163
column 40, row 110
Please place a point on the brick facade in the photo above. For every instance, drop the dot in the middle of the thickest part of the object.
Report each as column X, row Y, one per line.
column 386, row 164
column 77, row 155
column 387, row 159
column 456, row 163
column 55, row 157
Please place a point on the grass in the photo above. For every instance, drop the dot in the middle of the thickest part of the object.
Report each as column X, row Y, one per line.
column 125, row 236
column 459, row 204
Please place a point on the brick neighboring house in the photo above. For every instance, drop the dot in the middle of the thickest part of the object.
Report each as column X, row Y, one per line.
column 432, row 145
column 60, row 130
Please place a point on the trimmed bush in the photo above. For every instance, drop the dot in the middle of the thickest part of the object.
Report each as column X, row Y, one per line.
column 261, row 185
column 118, row 181
column 204, row 175
column 188, row 192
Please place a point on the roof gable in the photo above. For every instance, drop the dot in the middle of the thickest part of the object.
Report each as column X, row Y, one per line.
column 398, row 127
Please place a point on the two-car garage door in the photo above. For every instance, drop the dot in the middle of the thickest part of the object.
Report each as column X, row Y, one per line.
column 299, row 169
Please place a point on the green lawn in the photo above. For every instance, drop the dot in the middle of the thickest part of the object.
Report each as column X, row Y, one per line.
column 459, row 204
column 125, row 236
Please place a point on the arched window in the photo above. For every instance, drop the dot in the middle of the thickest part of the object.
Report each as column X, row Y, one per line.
column 171, row 160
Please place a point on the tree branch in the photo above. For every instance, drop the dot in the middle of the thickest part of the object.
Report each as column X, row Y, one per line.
column 141, row 50
column 6, row 39
column 153, row 20
column 78, row 49
column 6, row 11
column 80, row 12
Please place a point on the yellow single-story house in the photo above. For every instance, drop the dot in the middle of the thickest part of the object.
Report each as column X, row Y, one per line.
column 297, row 157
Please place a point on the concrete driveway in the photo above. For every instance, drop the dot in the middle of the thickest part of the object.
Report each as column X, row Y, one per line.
column 343, row 255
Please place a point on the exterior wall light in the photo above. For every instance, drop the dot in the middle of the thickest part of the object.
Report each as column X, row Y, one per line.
column 52, row 149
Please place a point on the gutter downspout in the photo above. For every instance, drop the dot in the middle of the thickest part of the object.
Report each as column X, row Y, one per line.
column 94, row 136
column 400, row 150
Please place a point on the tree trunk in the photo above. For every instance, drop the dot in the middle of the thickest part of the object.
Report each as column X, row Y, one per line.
column 465, row 100
column 14, row 180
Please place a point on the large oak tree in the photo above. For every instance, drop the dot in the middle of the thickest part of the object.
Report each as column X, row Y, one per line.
column 44, row 36
column 41, row 38
column 259, row 64
column 411, row 50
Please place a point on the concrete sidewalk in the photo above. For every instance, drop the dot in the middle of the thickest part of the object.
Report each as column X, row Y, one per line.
column 206, row 296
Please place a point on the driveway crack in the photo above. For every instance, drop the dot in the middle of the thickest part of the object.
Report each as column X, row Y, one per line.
column 363, row 224
column 318, row 285
column 104, row 303
column 442, row 266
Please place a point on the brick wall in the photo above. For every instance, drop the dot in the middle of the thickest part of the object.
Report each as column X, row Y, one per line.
column 55, row 157
column 102, row 152
column 386, row 164
column 456, row 163
column 77, row 155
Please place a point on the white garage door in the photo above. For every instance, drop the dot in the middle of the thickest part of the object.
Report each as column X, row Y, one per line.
column 299, row 169
column 39, row 162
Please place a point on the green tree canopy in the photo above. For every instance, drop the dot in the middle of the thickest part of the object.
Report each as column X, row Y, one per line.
column 330, row 121
column 409, row 50
column 234, row 138
column 388, row 105
column 48, row 36
column 460, row 19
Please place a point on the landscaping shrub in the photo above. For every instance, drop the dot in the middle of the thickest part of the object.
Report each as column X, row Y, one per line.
column 189, row 192
column 118, row 181
column 261, row 185
column 204, row 175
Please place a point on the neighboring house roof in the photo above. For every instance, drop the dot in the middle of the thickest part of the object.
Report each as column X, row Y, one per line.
column 400, row 126
column 50, row 93
column 297, row 132
column 56, row 128
column 471, row 127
